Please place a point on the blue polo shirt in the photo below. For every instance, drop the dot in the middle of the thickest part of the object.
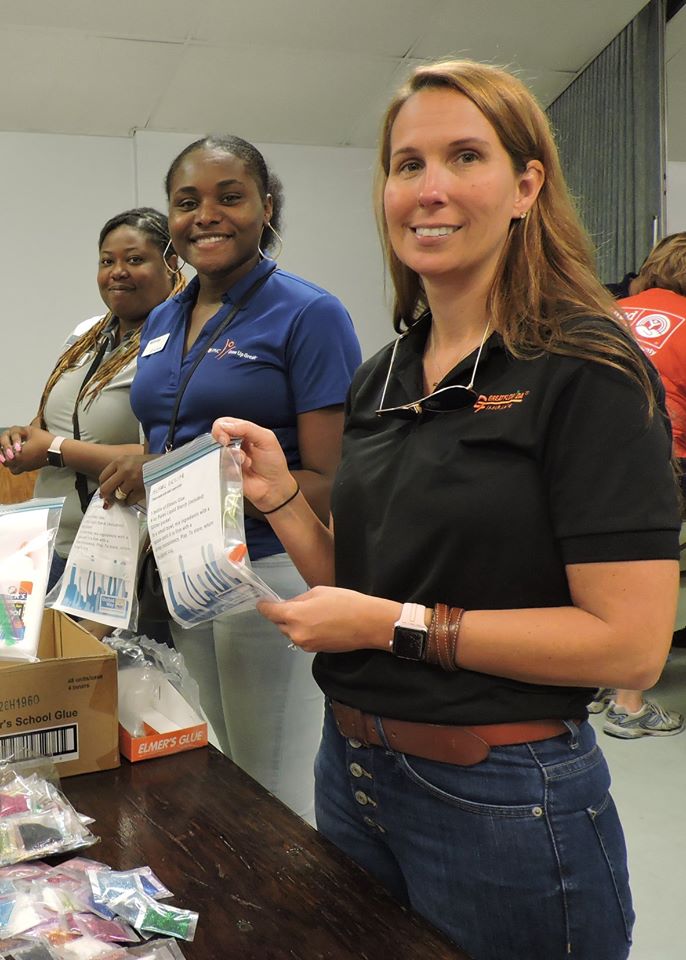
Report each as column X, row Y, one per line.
column 290, row 350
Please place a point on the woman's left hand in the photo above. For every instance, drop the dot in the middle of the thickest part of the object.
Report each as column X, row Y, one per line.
column 334, row 620
column 34, row 450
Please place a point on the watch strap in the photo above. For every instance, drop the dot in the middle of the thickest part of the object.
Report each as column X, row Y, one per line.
column 410, row 633
column 412, row 615
column 55, row 458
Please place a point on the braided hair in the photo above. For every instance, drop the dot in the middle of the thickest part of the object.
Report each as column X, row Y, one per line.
column 153, row 224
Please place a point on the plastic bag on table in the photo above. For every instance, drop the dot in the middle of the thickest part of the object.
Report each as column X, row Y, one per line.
column 88, row 948
column 27, row 950
column 157, row 950
column 49, row 825
column 27, row 536
column 142, row 664
column 99, row 580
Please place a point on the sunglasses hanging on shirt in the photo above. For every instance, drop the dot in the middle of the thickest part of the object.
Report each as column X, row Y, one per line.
column 443, row 400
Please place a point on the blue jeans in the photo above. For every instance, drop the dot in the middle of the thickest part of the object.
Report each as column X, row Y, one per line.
column 521, row 856
column 56, row 569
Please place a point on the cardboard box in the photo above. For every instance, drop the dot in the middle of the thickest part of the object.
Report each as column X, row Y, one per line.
column 64, row 705
column 169, row 723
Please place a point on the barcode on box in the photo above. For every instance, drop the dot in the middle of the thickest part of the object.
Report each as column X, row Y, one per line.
column 62, row 743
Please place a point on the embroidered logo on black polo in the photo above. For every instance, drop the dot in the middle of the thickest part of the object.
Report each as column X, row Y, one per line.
column 500, row 401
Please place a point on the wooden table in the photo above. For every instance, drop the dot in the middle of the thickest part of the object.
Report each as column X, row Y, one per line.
column 266, row 885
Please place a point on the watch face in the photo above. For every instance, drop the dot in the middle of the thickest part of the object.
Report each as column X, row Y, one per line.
column 409, row 643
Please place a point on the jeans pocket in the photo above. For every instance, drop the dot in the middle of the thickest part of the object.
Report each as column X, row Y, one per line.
column 461, row 786
column 608, row 830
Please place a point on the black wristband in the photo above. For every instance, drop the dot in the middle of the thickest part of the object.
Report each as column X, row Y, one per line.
column 266, row 513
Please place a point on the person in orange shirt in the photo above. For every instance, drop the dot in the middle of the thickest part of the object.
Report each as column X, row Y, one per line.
column 656, row 311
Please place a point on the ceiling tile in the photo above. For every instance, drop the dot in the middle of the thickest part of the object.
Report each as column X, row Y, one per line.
column 147, row 19
column 71, row 84
column 277, row 96
column 382, row 27
column 553, row 34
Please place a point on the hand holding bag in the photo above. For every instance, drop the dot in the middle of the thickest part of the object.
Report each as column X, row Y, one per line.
column 152, row 605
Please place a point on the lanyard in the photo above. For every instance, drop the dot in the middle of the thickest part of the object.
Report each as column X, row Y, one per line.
column 80, row 480
column 257, row 285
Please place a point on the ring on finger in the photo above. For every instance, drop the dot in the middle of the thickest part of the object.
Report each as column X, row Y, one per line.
column 120, row 495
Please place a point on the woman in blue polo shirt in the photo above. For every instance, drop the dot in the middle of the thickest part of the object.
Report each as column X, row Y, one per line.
column 286, row 361
column 506, row 540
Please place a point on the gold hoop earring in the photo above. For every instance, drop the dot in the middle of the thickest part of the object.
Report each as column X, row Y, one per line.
column 177, row 272
column 280, row 249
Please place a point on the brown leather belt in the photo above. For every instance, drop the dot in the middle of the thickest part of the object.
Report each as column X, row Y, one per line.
column 434, row 741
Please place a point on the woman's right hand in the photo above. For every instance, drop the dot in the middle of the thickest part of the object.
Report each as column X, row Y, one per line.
column 11, row 441
column 267, row 481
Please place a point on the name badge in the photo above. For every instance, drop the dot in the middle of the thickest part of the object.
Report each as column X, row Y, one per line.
column 154, row 346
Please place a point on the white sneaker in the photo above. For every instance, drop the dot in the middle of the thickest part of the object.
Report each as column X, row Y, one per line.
column 651, row 720
column 602, row 699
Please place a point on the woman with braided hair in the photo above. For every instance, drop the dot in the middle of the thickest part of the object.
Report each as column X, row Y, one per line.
column 84, row 418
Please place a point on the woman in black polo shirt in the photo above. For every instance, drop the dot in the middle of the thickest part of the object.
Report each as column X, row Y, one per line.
column 505, row 483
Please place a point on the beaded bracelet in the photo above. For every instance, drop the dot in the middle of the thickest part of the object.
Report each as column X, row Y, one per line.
column 265, row 513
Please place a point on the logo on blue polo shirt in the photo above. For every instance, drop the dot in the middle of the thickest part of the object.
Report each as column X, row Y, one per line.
column 226, row 349
column 229, row 350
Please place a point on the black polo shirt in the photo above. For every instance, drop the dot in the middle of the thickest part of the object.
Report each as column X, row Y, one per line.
column 556, row 463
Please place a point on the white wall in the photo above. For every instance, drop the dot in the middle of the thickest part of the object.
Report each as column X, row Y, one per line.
column 59, row 190
column 676, row 196
column 57, row 193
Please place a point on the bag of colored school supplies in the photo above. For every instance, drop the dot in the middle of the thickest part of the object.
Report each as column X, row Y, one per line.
column 27, row 536
column 36, row 819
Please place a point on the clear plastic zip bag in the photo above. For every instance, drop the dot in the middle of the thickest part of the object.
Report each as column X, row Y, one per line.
column 197, row 533
column 27, row 536
column 233, row 521
column 99, row 580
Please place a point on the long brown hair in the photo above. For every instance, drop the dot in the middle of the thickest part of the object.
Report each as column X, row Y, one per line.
column 154, row 225
column 546, row 274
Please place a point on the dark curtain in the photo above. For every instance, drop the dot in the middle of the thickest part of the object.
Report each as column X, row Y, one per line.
column 610, row 129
